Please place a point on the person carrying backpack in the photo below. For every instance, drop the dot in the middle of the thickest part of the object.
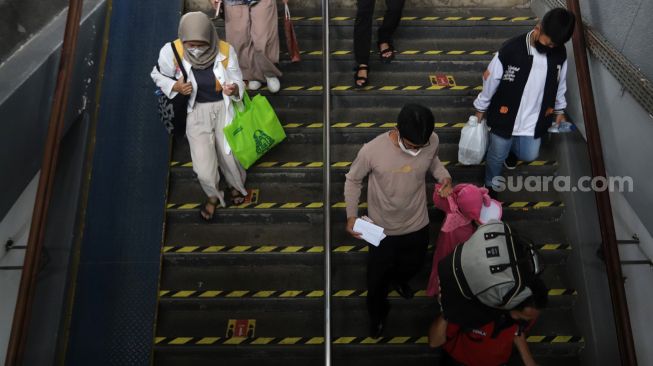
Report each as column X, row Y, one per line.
column 492, row 344
column 485, row 284
column 204, row 68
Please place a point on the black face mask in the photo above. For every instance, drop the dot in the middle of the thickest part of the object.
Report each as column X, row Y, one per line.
column 542, row 48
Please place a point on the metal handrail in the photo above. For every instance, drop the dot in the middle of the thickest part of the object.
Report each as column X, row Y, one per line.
column 326, row 153
column 606, row 221
column 18, row 337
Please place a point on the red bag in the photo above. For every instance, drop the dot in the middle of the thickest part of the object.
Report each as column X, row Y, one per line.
column 477, row 348
column 291, row 38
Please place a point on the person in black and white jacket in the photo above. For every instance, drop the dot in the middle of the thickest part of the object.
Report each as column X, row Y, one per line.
column 523, row 86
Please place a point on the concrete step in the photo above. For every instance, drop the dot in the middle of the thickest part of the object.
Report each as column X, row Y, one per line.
column 409, row 318
column 282, row 273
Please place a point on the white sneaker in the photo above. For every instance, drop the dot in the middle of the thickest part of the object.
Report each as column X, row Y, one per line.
column 254, row 85
column 273, row 84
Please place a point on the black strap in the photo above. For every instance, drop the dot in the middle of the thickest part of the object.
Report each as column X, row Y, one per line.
column 179, row 63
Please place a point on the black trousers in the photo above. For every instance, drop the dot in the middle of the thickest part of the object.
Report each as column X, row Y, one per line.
column 396, row 260
column 363, row 26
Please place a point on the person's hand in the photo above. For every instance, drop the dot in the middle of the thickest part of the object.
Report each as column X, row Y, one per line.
column 560, row 118
column 215, row 3
column 230, row 89
column 446, row 188
column 480, row 116
column 182, row 88
column 350, row 227
column 285, row 2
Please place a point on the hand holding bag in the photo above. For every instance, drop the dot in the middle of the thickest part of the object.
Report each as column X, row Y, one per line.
column 473, row 142
column 254, row 131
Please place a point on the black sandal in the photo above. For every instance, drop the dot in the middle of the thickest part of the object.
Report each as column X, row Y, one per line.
column 205, row 214
column 237, row 198
column 391, row 50
column 357, row 78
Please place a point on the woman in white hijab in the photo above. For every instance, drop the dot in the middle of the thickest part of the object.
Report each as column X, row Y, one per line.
column 214, row 83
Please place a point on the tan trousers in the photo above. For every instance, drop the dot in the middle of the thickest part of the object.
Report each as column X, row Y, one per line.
column 204, row 132
column 254, row 33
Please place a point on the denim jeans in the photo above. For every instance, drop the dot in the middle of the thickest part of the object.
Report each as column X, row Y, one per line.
column 526, row 148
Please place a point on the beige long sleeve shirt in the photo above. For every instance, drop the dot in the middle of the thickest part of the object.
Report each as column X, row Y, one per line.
column 396, row 187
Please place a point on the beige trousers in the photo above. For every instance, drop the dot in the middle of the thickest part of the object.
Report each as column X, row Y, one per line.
column 254, row 33
column 204, row 132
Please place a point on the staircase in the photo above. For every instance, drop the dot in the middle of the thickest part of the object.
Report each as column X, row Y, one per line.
column 264, row 261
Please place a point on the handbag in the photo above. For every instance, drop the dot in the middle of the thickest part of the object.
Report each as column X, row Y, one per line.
column 173, row 111
column 473, row 142
column 254, row 131
column 291, row 37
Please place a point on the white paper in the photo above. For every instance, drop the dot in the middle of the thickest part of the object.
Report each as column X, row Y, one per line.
column 371, row 233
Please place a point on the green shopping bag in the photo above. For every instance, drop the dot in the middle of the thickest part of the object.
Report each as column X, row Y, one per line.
column 254, row 131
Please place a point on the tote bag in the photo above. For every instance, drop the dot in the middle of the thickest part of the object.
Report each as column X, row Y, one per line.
column 254, row 131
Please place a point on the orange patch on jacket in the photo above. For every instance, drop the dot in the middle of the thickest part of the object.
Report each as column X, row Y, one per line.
column 548, row 112
column 503, row 110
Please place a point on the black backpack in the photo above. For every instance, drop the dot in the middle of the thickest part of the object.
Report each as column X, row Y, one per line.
column 173, row 111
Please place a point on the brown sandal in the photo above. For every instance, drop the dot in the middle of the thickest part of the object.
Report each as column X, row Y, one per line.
column 204, row 212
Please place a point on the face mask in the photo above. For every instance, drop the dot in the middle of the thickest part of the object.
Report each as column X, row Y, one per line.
column 197, row 51
column 542, row 48
column 404, row 149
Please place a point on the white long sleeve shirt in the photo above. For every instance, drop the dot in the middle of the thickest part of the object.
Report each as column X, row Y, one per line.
column 531, row 101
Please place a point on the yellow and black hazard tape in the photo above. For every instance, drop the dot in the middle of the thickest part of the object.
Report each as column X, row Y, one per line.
column 295, row 294
column 293, row 341
column 345, row 164
column 315, row 205
column 410, row 52
column 367, row 125
column 294, row 249
column 428, row 18
column 317, row 88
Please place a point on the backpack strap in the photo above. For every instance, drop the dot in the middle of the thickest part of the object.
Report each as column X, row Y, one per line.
column 178, row 51
column 224, row 49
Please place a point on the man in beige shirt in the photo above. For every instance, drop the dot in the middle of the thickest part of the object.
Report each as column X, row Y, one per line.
column 396, row 164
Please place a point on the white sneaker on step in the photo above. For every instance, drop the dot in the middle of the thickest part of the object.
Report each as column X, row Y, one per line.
column 254, row 85
column 273, row 84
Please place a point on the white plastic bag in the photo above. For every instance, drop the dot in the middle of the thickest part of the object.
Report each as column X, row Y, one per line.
column 473, row 142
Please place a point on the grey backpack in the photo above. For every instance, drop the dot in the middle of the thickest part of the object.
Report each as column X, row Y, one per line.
column 494, row 266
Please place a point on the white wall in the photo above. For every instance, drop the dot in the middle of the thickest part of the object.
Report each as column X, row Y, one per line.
column 16, row 226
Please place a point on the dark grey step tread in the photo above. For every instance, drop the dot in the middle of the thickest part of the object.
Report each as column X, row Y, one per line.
column 415, row 355
column 288, row 151
column 307, row 234
column 182, row 192
column 291, row 273
column 387, row 75
column 420, row 11
column 349, row 318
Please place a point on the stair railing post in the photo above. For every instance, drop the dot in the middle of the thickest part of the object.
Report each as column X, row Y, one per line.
column 326, row 153
column 606, row 221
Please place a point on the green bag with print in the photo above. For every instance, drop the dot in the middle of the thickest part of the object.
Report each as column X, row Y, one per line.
column 254, row 131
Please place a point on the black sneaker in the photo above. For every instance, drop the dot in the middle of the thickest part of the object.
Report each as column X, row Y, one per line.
column 405, row 291
column 511, row 161
column 493, row 194
column 376, row 329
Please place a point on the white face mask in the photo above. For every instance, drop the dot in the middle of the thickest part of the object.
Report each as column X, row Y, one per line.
column 404, row 149
column 197, row 51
